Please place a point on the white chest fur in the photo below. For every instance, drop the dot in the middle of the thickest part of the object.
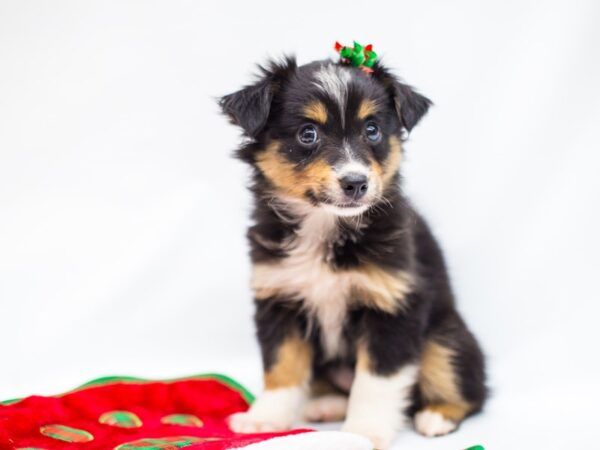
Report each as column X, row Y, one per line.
column 304, row 275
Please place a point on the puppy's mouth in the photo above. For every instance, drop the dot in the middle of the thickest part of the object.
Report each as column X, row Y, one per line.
column 346, row 209
column 348, row 205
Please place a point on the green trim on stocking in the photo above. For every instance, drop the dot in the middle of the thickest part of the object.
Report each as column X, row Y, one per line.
column 104, row 381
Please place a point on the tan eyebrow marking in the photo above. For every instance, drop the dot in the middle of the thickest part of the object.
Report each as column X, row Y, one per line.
column 316, row 111
column 366, row 109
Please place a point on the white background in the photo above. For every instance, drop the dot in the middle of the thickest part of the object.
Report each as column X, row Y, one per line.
column 122, row 214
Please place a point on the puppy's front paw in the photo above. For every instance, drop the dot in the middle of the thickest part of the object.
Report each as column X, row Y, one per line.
column 247, row 422
column 274, row 410
column 380, row 436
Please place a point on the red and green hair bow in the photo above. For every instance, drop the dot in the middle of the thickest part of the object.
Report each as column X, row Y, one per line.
column 359, row 56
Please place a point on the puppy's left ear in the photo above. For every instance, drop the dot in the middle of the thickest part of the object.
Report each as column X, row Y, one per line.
column 250, row 107
column 410, row 105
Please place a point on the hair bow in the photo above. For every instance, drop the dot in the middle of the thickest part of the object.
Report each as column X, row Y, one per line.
column 359, row 56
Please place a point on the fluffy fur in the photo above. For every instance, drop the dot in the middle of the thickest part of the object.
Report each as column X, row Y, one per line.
column 352, row 293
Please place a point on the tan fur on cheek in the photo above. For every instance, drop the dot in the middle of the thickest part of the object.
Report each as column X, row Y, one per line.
column 367, row 108
column 276, row 169
column 383, row 174
column 376, row 177
column 438, row 381
column 286, row 178
column 316, row 111
column 292, row 366
column 392, row 163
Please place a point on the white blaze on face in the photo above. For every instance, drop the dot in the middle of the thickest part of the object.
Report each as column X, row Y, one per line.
column 354, row 167
column 333, row 81
column 349, row 164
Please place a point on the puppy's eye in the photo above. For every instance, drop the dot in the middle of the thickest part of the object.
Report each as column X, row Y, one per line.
column 308, row 135
column 372, row 131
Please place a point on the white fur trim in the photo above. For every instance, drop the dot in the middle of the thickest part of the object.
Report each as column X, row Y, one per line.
column 318, row 440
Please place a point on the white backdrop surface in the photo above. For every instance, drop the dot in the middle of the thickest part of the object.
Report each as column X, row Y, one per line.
column 122, row 213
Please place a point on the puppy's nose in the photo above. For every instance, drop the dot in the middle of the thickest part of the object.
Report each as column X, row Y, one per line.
column 355, row 185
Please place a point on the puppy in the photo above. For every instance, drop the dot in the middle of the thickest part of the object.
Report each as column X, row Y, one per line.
column 354, row 312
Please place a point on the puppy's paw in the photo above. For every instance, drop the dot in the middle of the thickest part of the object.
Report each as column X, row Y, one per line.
column 247, row 422
column 431, row 423
column 380, row 436
column 329, row 408
column 274, row 410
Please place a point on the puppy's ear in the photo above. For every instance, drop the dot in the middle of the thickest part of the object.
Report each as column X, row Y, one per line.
column 410, row 105
column 249, row 107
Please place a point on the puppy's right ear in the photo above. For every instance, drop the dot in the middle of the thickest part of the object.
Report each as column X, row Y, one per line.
column 249, row 107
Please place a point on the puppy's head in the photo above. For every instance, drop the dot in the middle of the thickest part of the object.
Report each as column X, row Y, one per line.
column 326, row 134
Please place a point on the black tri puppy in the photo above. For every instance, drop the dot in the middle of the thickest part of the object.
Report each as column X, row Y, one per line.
column 354, row 311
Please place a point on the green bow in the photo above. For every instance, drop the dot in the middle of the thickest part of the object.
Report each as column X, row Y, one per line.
column 359, row 56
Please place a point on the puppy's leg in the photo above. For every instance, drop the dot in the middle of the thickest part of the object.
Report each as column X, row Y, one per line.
column 451, row 379
column 443, row 405
column 285, row 388
column 287, row 360
column 378, row 399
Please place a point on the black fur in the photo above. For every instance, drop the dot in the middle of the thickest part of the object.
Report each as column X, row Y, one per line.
column 393, row 235
column 410, row 105
column 249, row 108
